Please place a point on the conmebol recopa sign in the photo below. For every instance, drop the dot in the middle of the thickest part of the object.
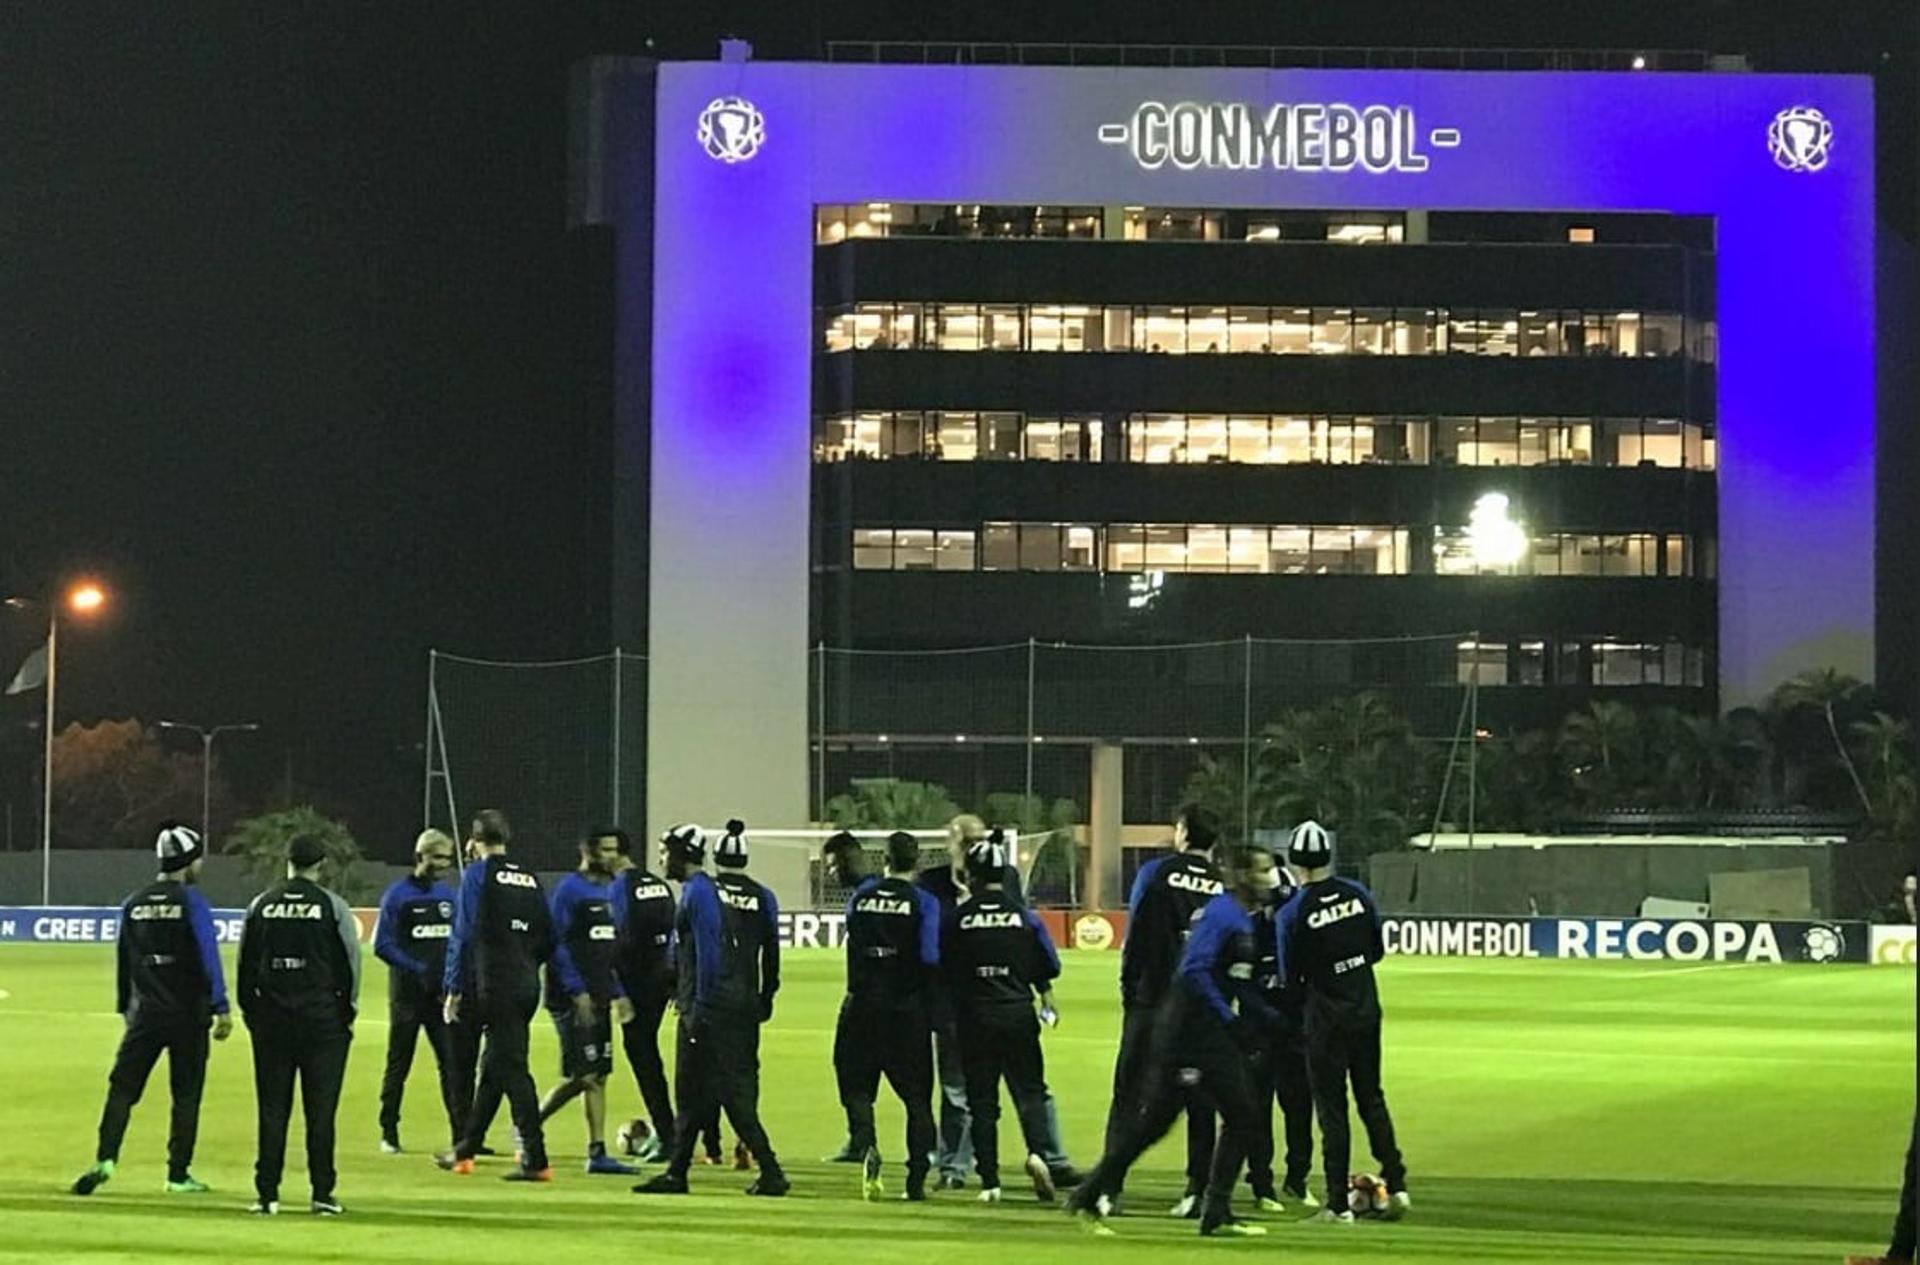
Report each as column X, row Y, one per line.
column 1238, row 136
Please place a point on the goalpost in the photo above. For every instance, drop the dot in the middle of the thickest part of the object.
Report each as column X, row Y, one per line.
column 789, row 862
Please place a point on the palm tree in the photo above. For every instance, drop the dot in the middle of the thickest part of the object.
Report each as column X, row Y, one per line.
column 1601, row 741
column 1885, row 746
column 885, row 803
column 1824, row 689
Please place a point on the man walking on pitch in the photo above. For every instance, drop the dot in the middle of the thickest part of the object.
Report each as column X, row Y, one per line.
column 502, row 933
column 893, row 951
column 1329, row 940
column 643, row 912
column 168, row 988
column 948, row 884
column 299, row 984
column 1168, row 895
column 585, row 994
column 1200, row 1045
column 996, row 956
column 729, row 965
column 415, row 923
column 1279, row 1070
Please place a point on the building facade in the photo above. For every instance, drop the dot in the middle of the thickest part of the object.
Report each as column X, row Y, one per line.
column 1566, row 378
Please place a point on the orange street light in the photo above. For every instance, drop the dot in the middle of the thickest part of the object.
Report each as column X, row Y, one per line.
column 84, row 599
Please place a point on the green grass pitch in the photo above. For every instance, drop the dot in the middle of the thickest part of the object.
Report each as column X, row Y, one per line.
column 1613, row 1113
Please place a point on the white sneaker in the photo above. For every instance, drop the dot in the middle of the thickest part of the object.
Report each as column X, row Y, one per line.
column 1042, row 1178
column 991, row 1195
column 389, row 1147
column 1327, row 1216
column 264, row 1207
column 1188, row 1206
column 1398, row 1204
column 1266, row 1203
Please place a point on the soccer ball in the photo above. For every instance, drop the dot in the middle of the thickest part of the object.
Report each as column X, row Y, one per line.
column 633, row 1136
column 1367, row 1195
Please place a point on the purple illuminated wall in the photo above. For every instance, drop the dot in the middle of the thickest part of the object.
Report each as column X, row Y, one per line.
column 732, row 335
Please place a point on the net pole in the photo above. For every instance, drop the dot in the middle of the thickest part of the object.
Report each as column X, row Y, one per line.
column 446, row 770
column 1030, row 734
column 1246, row 741
column 820, row 732
column 1473, row 760
column 426, row 748
column 614, row 777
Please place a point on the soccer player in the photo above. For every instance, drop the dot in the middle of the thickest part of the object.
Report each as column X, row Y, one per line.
column 416, row 920
column 502, row 933
column 585, row 994
column 1279, row 1070
column 1168, row 895
column 1200, row 1045
column 299, row 978
column 643, row 911
column 168, row 988
column 1329, row 939
column 729, row 966
column 893, row 951
column 996, row 956
column 948, row 883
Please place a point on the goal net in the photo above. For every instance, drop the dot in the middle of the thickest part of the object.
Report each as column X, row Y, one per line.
column 790, row 862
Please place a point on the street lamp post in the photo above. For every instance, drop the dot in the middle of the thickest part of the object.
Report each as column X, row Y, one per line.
column 84, row 599
column 206, row 766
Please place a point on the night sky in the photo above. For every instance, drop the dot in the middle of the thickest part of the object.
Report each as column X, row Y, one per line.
column 284, row 359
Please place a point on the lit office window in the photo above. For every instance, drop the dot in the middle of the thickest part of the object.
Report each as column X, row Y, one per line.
column 872, row 549
column 1372, row 330
column 1332, row 331
column 957, row 436
column 1206, row 438
column 1207, row 329
column 912, row 550
column 1292, row 331
column 1540, row 333
column 953, row 551
column 1481, row 663
column 958, row 326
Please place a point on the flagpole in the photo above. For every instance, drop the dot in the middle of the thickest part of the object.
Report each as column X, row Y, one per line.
column 46, row 788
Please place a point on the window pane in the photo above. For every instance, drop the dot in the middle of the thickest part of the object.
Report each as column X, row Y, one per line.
column 1677, row 555
column 1332, row 331
column 1004, row 328
column 1247, row 330
column 958, row 326
column 912, row 550
column 1082, row 552
column 1206, row 437
column 839, row 333
column 1126, row 547
column 1207, row 329
column 1292, row 331
column 1001, row 436
column 1288, row 550
column 1291, row 440
column 1247, row 440
column 1540, row 333
column 1531, row 665
column 1363, row 440
column 1639, row 555
column 1660, row 336
column 1166, row 547
column 954, row 551
column 1418, row 332
column 1371, row 328
column 1482, row 663
column 1163, row 329
column 872, row 550
column 1332, row 552
column 959, row 437
column 1247, row 549
column 1206, row 548
column 1498, row 445
column 1042, row 440
column 1158, row 438
column 1000, row 550
column 1499, row 332
column 900, row 435
column 1039, row 546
